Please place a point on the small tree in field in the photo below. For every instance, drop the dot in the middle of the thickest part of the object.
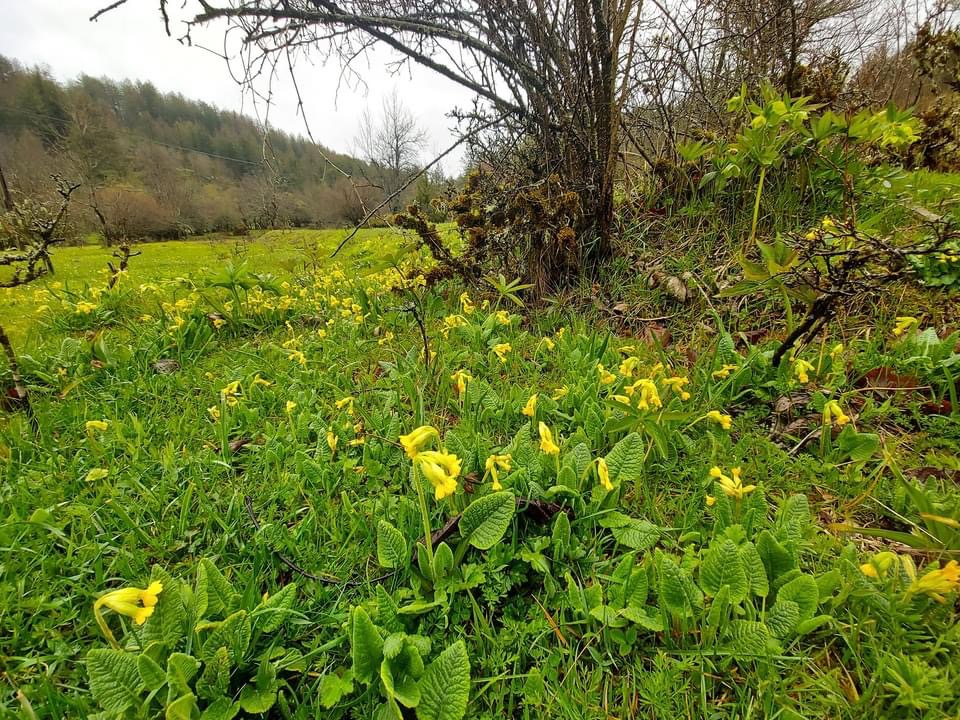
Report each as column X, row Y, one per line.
column 28, row 229
column 391, row 145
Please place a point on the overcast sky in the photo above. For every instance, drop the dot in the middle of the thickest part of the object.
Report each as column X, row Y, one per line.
column 130, row 43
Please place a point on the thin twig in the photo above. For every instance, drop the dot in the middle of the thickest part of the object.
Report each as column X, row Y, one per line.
column 327, row 580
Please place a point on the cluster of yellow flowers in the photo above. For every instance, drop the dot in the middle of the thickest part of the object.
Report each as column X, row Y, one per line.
column 937, row 583
column 135, row 603
column 439, row 467
column 731, row 486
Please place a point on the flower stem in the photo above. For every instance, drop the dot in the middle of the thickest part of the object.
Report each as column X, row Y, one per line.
column 425, row 515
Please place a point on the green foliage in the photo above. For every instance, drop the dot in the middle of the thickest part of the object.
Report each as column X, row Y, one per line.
column 201, row 659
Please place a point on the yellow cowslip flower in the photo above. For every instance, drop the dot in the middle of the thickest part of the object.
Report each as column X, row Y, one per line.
column 879, row 565
column 460, row 379
column 606, row 377
column 291, row 406
column 732, row 487
column 297, row 356
column 451, row 322
column 214, row 411
column 357, row 441
column 413, row 441
column 99, row 425
column 347, row 403
column 724, row 372
column 629, row 366
column 387, row 337
column 802, row 368
column 547, row 445
column 625, row 399
column 559, row 334
column 503, row 317
column 711, row 501
column 321, row 333
column 628, row 349
column 530, row 409
column 648, row 394
column 332, row 441
column 493, row 466
column 85, row 308
column 603, row 473
column 257, row 380
column 560, row 392
column 937, row 583
column 550, row 344
column 833, row 413
column 904, row 323
column 465, row 303
column 133, row 602
column 676, row 384
column 724, row 421
column 828, row 224
column 501, row 350
column 836, row 352
column 218, row 323
column 441, row 468
column 810, row 236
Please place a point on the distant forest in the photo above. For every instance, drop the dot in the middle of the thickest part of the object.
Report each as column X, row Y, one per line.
column 159, row 165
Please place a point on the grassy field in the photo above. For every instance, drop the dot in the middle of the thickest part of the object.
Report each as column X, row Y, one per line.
column 644, row 530
column 279, row 252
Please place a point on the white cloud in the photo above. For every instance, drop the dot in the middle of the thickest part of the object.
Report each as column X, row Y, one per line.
column 130, row 43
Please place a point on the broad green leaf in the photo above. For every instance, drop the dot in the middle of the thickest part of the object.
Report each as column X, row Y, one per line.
column 221, row 597
column 646, row 617
column 749, row 639
column 183, row 708
column 638, row 535
column 808, row 626
column 722, row 567
column 168, row 624
column 716, row 615
column 753, row 566
column 486, row 519
column 151, row 673
column 115, row 681
column 678, row 593
column 804, row 592
column 391, row 546
column 214, row 681
column 387, row 612
column 256, row 700
column 793, row 519
column 334, row 687
column 221, row 709
column 181, row 669
column 445, row 685
column 272, row 613
column 625, row 460
column 367, row 647
column 442, row 561
column 776, row 559
column 857, row 446
column 233, row 633
column 783, row 618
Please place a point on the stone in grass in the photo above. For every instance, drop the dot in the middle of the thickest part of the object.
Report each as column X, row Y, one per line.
column 165, row 366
